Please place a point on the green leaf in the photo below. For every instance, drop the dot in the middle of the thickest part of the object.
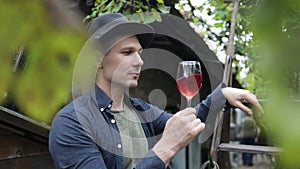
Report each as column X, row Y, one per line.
column 218, row 25
column 151, row 17
column 102, row 2
column 163, row 8
column 117, row 7
column 108, row 7
column 138, row 17
column 238, row 18
column 195, row 20
column 160, row 1
column 126, row 13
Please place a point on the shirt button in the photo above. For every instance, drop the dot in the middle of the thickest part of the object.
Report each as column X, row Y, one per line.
column 119, row 146
column 101, row 109
column 113, row 121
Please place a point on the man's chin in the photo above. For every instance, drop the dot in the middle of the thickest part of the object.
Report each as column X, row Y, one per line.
column 133, row 85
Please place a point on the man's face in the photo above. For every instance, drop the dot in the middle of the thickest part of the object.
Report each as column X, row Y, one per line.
column 122, row 65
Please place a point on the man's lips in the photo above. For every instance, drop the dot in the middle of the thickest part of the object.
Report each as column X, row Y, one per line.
column 135, row 75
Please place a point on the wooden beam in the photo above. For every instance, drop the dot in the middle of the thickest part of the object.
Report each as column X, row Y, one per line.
column 23, row 125
column 241, row 148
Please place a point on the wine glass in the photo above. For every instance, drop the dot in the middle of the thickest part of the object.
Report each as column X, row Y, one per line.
column 189, row 79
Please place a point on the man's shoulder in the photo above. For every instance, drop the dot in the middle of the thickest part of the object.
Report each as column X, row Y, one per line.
column 70, row 109
column 139, row 104
column 67, row 113
column 67, row 109
column 67, row 119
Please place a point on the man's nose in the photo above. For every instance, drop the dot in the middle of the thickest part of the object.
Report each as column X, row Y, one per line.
column 138, row 59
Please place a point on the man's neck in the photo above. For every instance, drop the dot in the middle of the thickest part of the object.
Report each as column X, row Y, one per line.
column 114, row 92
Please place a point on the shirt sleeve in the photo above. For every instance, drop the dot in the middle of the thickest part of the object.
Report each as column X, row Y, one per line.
column 150, row 160
column 70, row 147
column 214, row 102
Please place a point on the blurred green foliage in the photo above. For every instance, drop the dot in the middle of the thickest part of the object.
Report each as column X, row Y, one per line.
column 144, row 11
column 44, row 84
column 277, row 27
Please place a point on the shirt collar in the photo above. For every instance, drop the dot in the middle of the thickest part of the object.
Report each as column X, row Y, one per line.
column 102, row 99
column 105, row 102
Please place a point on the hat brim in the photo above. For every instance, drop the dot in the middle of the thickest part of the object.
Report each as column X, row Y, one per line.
column 109, row 35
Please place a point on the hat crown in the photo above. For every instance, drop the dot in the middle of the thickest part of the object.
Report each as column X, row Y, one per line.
column 105, row 19
column 107, row 29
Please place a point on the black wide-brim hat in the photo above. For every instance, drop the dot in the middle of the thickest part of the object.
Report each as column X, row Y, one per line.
column 108, row 29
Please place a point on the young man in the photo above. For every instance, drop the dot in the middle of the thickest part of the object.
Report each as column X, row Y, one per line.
column 106, row 129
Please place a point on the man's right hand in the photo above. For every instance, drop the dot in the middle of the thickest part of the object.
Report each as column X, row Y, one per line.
column 179, row 131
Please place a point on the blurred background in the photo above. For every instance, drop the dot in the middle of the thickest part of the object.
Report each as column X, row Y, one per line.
column 40, row 42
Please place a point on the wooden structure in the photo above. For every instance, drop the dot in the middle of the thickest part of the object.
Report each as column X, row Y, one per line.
column 220, row 141
column 23, row 142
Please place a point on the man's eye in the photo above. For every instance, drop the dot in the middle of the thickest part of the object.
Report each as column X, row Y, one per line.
column 126, row 52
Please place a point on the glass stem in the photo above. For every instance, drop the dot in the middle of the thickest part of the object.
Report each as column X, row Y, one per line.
column 189, row 102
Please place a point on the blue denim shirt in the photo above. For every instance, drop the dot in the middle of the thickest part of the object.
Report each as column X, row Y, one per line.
column 84, row 133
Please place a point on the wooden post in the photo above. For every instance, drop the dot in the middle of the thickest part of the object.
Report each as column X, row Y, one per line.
column 227, row 76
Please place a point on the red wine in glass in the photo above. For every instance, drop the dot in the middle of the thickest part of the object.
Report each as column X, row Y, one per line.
column 189, row 79
column 189, row 86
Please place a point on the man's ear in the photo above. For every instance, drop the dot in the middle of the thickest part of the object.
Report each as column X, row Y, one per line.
column 100, row 56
